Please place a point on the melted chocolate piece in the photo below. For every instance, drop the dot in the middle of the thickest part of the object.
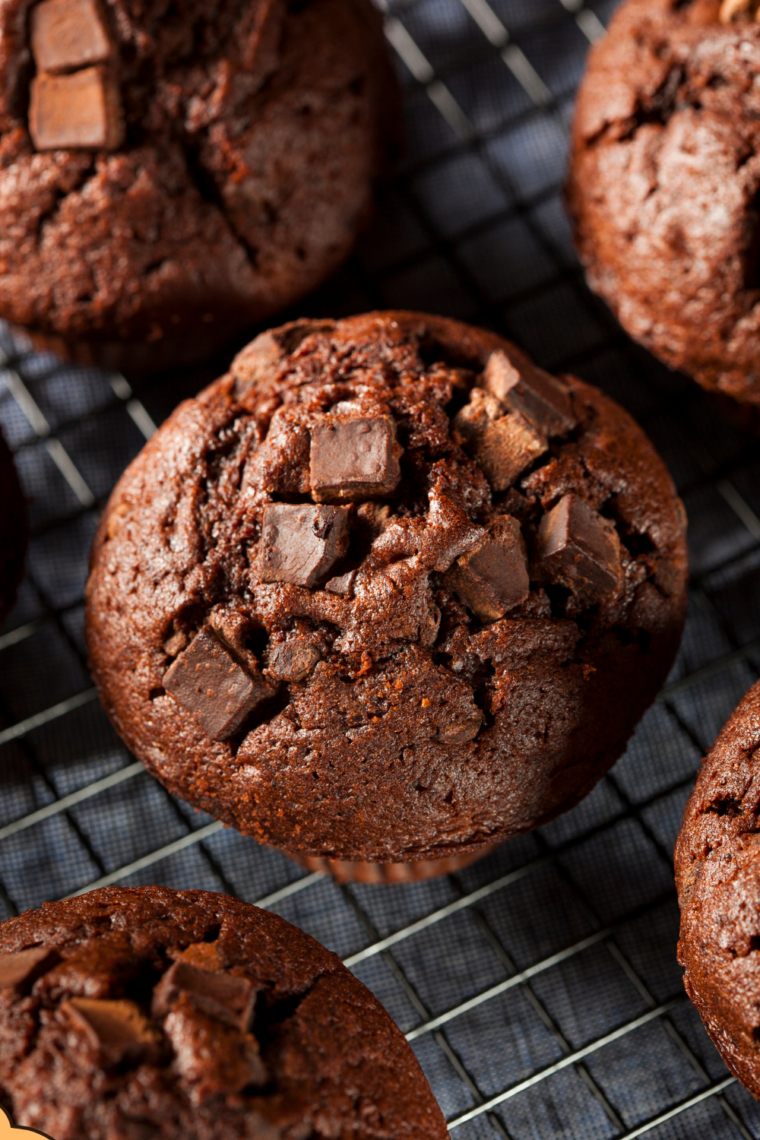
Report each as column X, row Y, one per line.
column 212, row 1057
column 502, row 445
column 114, row 1032
column 579, row 548
column 544, row 401
column 227, row 998
column 77, row 111
column 354, row 459
column 293, row 660
column 68, row 34
column 493, row 578
column 19, row 971
column 461, row 733
column 301, row 544
column 213, row 686
column 342, row 586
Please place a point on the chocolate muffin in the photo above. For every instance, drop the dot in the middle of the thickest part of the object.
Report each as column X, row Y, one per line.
column 12, row 530
column 172, row 173
column 386, row 591
column 665, row 184
column 134, row 1013
column 718, row 877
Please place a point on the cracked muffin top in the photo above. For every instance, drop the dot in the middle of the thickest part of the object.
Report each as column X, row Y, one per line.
column 665, row 183
column 169, row 172
column 718, row 877
column 134, row 1013
column 386, row 591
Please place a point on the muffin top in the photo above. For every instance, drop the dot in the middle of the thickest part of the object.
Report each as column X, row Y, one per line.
column 153, row 158
column 146, row 1012
column 718, row 877
column 665, row 181
column 371, row 594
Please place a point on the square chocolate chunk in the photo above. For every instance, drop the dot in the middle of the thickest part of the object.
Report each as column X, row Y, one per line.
column 225, row 997
column 578, row 548
column 493, row 578
column 506, row 447
column 214, row 686
column 300, row 544
column 19, row 971
column 354, row 459
column 113, row 1032
column 502, row 445
column 544, row 401
column 78, row 111
column 68, row 34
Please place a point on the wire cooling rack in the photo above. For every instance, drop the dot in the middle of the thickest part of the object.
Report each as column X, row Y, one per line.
column 539, row 988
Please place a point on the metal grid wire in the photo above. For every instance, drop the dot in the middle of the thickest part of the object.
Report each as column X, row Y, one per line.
column 539, row 988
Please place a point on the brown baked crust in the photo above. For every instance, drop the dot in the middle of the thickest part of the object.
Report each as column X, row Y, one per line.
column 352, row 762
column 717, row 860
column 336, row 1065
column 13, row 530
column 229, row 198
column 665, row 184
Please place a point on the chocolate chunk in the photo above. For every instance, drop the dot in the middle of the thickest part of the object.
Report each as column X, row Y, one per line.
column 354, row 459
column 212, row 1057
column 462, row 732
column 301, row 544
column 493, row 578
column 544, row 401
column 294, row 659
column 20, row 971
column 502, row 445
column 213, row 686
column 343, row 586
column 77, row 111
column 229, row 999
column 68, row 34
column 579, row 548
column 113, row 1032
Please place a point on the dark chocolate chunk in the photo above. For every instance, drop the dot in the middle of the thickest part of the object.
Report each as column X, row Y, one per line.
column 494, row 577
column 301, row 544
column 212, row 1057
column 228, row 998
column 114, row 1032
column 543, row 400
column 293, row 660
column 213, row 686
column 502, row 445
column 77, row 111
column 68, row 34
column 579, row 548
column 460, row 733
column 354, row 459
column 20, row 971
column 343, row 586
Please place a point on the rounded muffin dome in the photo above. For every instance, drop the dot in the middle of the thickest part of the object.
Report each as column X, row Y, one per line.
column 386, row 591
column 665, row 184
column 173, row 173
column 143, row 1012
column 718, row 877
